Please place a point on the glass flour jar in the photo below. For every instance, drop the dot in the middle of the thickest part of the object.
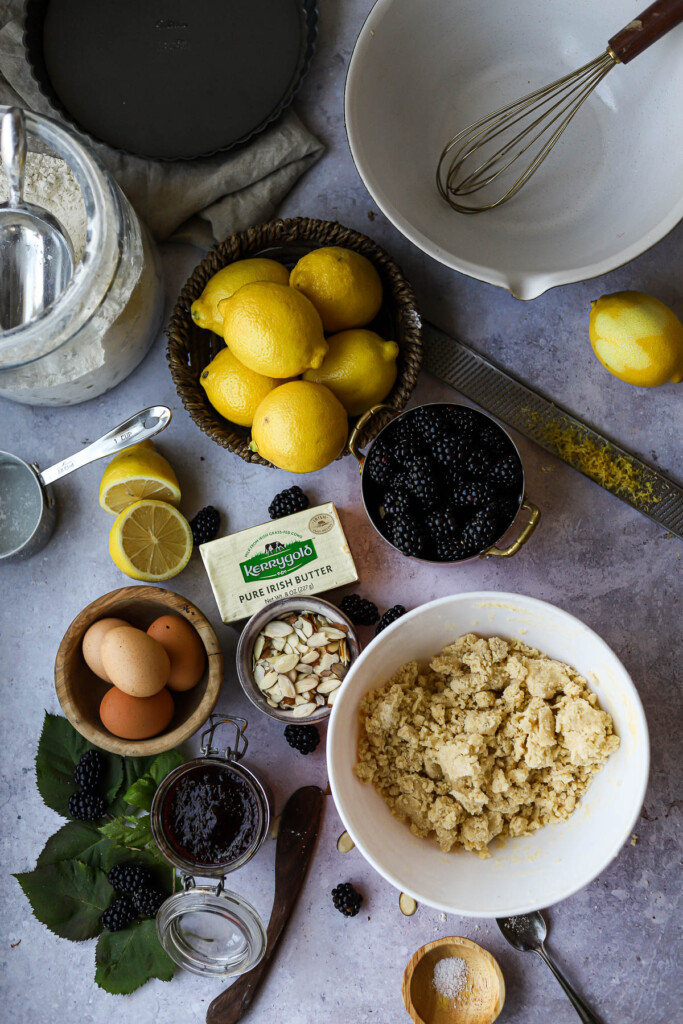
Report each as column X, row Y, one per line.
column 104, row 322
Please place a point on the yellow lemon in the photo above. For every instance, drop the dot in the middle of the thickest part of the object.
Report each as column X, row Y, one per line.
column 273, row 330
column 300, row 427
column 233, row 390
column 138, row 472
column 637, row 338
column 226, row 282
column 360, row 369
column 150, row 540
column 343, row 286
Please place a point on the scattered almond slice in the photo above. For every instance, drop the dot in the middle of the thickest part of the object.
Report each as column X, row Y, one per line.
column 345, row 843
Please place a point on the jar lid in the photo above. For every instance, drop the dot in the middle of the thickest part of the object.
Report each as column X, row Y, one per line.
column 211, row 931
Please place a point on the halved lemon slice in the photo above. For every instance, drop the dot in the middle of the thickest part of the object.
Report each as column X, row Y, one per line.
column 138, row 473
column 150, row 540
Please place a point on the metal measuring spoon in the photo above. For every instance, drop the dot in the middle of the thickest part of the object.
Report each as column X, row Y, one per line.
column 527, row 934
column 36, row 256
column 27, row 506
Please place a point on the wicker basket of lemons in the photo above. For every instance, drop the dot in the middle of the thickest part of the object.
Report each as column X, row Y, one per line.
column 286, row 333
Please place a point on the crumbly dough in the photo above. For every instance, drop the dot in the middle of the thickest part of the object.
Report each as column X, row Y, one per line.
column 494, row 739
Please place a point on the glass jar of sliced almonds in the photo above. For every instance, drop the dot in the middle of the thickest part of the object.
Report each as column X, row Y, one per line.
column 292, row 658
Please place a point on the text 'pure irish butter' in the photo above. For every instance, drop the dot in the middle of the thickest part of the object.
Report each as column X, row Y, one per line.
column 305, row 553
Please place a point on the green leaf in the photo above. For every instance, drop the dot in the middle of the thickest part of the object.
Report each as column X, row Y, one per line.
column 77, row 840
column 68, row 897
column 141, row 793
column 59, row 751
column 129, row 831
column 127, row 959
column 133, row 769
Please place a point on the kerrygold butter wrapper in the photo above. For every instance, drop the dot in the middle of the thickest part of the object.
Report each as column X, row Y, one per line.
column 305, row 553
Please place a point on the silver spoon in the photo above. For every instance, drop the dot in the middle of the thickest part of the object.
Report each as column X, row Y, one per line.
column 36, row 257
column 527, row 933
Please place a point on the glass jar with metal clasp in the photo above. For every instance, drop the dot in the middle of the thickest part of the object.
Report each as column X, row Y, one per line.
column 209, row 817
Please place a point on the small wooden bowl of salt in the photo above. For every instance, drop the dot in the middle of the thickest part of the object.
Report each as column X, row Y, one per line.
column 453, row 981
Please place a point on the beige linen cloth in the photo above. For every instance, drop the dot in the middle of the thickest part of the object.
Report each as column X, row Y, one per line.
column 200, row 202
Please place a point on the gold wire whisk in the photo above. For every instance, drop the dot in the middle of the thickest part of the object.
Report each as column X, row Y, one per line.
column 534, row 124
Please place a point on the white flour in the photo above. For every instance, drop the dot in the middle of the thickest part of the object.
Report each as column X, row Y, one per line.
column 50, row 184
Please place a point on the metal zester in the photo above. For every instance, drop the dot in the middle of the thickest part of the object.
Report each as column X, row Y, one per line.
column 554, row 429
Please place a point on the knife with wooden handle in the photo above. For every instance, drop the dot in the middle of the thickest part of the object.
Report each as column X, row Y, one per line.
column 299, row 825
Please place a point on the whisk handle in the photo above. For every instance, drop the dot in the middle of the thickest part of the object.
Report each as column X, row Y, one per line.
column 654, row 22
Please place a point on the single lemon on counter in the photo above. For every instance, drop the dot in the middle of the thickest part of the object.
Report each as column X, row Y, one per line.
column 273, row 330
column 139, row 472
column 343, row 286
column 360, row 369
column 226, row 282
column 234, row 390
column 150, row 540
column 637, row 338
column 300, row 427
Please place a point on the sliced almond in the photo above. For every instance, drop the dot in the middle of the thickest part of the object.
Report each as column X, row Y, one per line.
column 317, row 640
column 278, row 643
column 407, row 905
column 344, row 652
column 333, row 647
column 320, row 700
column 304, row 685
column 300, row 699
column 328, row 685
column 345, row 843
column 303, row 670
column 307, row 628
column 331, row 697
column 277, row 628
column 288, row 702
column 286, row 686
column 275, row 693
column 304, row 710
column 327, row 660
column 269, row 679
column 258, row 646
column 285, row 662
column 259, row 673
column 335, row 634
column 339, row 670
column 310, row 657
column 272, row 703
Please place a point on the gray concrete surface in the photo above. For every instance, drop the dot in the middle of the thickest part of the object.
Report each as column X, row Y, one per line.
column 619, row 939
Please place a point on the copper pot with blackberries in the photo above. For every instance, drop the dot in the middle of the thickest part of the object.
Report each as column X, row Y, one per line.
column 444, row 483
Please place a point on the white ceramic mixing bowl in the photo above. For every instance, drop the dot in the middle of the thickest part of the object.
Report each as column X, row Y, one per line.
column 613, row 186
column 525, row 873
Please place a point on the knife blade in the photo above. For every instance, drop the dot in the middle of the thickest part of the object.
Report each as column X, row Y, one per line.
column 602, row 460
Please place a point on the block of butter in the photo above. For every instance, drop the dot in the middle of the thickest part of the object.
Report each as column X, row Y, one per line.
column 304, row 553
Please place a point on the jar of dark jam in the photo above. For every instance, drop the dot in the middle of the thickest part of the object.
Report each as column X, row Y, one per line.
column 209, row 817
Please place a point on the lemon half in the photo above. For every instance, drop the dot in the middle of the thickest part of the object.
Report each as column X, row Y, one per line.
column 151, row 541
column 139, row 472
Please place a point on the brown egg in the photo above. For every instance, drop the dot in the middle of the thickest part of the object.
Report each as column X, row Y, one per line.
column 135, row 662
column 182, row 643
column 136, row 718
column 92, row 641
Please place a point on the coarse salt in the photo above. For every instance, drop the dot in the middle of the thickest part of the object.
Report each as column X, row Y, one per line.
column 450, row 976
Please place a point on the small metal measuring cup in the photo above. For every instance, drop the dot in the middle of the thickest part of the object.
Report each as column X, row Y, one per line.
column 28, row 510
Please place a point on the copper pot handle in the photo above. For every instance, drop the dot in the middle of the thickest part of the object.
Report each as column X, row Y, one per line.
column 534, row 516
column 355, row 433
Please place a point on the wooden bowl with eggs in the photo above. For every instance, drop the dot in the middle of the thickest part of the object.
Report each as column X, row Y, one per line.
column 81, row 691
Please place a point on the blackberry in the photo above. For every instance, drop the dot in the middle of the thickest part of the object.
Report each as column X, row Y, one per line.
column 397, row 500
column 450, row 451
column 287, row 502
column 89, row 771
column 431, row 422
column 506, row 472
column 443, row 522
column 407, row 534
column 406, row 449
column 119, row 915
column 361, row 611
column 463, row 419
column 423, row 481
column 346, row 899
column 404, row 429
column 448, row 548
column 205, row 525
column 493, row 438
column 380, row 463
column 129, row 878
column 86, row 806
column 473, row 493
column 148, row 901
column 478, row 463
column 481, row 531
column 390, row 616
column 304, row 738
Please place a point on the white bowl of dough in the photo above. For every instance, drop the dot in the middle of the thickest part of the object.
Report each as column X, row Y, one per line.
column 610, row 189
column 522, row 873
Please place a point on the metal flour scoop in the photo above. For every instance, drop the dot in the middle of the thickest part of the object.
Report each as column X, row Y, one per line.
column 36, row 257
